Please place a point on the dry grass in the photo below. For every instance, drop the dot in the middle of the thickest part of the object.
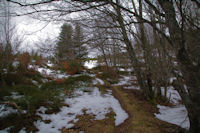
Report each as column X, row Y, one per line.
column 141, row 117
column 87, row 124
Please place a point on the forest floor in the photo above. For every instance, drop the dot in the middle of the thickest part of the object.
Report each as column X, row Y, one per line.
column 89, row 102
column 140, row 111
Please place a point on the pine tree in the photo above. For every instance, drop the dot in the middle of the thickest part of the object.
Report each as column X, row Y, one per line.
column 80, row 50
column 70, row 45
column 64, row 45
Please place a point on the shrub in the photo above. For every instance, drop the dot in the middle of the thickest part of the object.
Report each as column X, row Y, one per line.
column 68, row 83
column 72, row 67
column 35, row 97
column 12, row 78
column 4, row 91
column 24, row 59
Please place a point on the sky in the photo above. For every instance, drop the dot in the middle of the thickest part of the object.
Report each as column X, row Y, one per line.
column 35, row 30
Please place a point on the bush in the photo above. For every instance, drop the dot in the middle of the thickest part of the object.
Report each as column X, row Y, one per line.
column 24, row 59
column 35, row 97
column 12, row 78
column 108, row 74
column 68, row 83
column 4, row 91
column 72, row 67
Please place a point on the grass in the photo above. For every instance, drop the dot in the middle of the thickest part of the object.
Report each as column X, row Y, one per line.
column 141, row 114
column 109, row 77
column 88, row 124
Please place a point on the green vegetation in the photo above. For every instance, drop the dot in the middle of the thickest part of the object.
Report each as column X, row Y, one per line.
column 20, row 90
column 111, row 78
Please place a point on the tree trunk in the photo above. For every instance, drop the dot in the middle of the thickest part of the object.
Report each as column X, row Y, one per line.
column 131, row 52
column 190, row 72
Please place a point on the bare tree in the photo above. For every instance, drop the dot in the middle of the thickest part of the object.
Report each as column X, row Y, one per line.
column 178, row 23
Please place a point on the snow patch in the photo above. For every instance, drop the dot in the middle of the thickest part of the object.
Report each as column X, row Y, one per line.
column 90, row 64
column 126, row 80
column 50, row 64
column 6, row 130
column 176, row 115
column 15, row 64
column 100, row 81
column 132, row 87
column 5, row 110
column 94, row 103
column 48, row 72
column 172, row 95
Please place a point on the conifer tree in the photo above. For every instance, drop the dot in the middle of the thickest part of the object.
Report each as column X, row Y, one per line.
column 80, row 50
column 64, row 45
column 70, row 45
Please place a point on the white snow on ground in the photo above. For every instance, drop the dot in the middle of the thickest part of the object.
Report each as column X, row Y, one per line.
column 48, row 72
column 128, row 82
column 172, row 95
column 15, row 64
column 90, row 64
column 175, row 115
column 94, row 103
column 100, row 81
column 15, row 95
column 125, row 69
column 171, row 80
column 6, row 130
column 132, row 87
column 122, row 69
column 125, row 80
column 50, row 64
column 5, row 110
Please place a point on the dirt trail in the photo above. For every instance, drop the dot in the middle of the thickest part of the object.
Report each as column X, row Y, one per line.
column 141, row 118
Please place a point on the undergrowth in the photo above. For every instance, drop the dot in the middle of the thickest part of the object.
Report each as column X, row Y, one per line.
column 31, row 97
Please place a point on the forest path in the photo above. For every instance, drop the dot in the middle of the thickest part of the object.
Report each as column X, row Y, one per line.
column 141, row 114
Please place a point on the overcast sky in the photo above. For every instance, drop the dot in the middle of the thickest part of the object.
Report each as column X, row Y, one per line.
column 34, row 30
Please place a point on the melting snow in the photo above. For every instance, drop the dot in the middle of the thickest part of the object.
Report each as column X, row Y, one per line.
column 6, row 130
column 94, row 103
column 4, row 110
column 126, row 80
column 172, row 95
column 15, row 64
column 90, row 64
column 50, row 64
column 100, row 81
column 132, row 87
column 49, row 72
column 175, row 115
